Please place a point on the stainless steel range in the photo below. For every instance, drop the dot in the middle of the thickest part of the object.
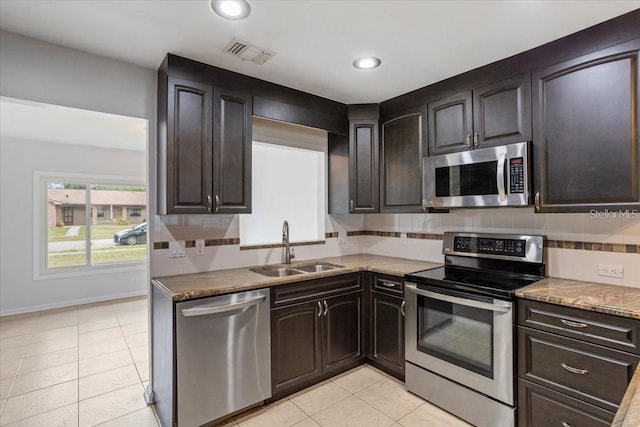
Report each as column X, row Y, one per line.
column 459, row 327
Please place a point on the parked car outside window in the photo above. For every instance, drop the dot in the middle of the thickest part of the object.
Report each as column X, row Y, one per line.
column 132, row 236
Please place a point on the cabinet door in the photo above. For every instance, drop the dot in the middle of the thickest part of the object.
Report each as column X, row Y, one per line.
column 387, row 328
column 403, row 145
column 539, row 407
column 184, row 164
column 363, row 166
column 502, row 112
column 586, row 114
column 295, row 345
column 450, row 124
column 342, row 337
column 232, row 152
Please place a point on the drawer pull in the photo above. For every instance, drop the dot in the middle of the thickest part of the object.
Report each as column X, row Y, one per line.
column 574, row 370
column 387, row 284
column 565, row 424
column 319, row 308
column 574, row 324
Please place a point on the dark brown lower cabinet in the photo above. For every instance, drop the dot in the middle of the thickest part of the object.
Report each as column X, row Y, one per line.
column 540, row 407
column 295, row 345
column 570, row 369
column 316, row 331
column 342, row 331
column 387, row 329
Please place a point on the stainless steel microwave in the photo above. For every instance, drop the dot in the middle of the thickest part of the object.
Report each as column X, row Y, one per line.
column 496, row 176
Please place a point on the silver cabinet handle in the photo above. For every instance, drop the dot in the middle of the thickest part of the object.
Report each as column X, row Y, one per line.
column 502, row 192
column 319, row 308
column 212, row 309
column 475, row 139
column 402, row 308
column 209, row 203
column 467, row 140
column 351, row 205
column 387, row 284
column 574, row 324
column 574, row 370
column 537, row 201
column 217, row 203
column 565, row 424
column 326, row 308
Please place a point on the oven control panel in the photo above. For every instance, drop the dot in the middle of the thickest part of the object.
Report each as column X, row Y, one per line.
column 490, row 245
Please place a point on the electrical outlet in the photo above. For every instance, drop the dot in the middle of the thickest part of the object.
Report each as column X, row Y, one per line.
column 610, row 270
column 199, row 247
column 403, row 238
column 179, row 248
column 342, row 237
column 173, row 250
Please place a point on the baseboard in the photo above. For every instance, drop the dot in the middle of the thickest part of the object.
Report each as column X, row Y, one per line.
column 71, row 303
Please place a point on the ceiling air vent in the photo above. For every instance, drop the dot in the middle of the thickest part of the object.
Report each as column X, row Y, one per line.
column 248, row 52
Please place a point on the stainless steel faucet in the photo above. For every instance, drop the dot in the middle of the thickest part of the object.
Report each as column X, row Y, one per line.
column 288, row 252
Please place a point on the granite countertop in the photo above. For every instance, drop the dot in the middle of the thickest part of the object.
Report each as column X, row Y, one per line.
column 185, row 287
column 610, row 299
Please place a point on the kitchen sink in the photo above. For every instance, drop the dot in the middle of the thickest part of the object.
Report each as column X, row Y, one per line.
column 276, row 272
column 273, row 271
column 317, row 267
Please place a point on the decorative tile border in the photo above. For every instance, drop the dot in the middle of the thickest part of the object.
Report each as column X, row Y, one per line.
column 207, row 242
column 560, row 244
column 594, row 246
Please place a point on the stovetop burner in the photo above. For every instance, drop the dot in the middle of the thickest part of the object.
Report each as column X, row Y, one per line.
column 485, row 264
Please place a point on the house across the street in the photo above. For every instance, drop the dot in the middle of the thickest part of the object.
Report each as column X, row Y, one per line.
column 69, row 206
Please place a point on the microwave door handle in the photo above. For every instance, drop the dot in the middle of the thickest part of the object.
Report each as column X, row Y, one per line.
column 502, row 194
column 497, row 305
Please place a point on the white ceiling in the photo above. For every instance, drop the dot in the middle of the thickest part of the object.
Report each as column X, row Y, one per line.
column 52, row 123
column 419, row 42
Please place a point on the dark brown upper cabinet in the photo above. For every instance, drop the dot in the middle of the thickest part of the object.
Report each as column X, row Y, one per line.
column 402, row 147
column 232, row 141
column 496, row 114
column 354, row 163
column 586, row 115
column 185, row 118
column 204, row 148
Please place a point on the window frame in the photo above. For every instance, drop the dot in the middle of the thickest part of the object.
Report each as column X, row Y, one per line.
column 40, row 235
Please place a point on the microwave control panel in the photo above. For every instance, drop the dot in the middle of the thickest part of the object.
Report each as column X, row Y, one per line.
column 516, row 175
column 489, row 245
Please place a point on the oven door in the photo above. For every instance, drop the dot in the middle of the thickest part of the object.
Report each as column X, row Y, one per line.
column 496, row 176
column 465, row 338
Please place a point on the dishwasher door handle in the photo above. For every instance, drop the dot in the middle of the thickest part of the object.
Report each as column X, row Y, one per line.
column 212, row 309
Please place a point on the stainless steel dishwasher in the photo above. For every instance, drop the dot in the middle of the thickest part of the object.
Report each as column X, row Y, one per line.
column 223, row 355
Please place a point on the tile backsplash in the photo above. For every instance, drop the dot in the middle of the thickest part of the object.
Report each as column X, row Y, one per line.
column 577, row 243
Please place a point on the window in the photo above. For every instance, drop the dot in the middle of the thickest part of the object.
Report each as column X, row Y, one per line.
column 77, row 233
column 288, row 183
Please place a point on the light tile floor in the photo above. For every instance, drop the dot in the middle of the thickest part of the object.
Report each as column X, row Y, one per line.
column 88, row 365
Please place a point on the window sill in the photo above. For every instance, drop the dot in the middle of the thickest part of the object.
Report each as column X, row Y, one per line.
column 90, row 271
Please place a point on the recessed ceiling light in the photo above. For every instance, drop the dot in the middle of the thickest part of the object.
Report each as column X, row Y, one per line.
column 231, row 9
column 367, row 63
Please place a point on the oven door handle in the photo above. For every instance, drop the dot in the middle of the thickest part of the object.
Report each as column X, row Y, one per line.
column 496, row 305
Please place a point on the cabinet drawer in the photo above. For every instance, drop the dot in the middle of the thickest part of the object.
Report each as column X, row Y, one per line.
column 314, row 289
column 540, row 407
column 384, row 283
column 588, row 372
column 611, row 331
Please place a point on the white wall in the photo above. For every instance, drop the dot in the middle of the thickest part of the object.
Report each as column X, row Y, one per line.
column 18, row 161
column 38, row 71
